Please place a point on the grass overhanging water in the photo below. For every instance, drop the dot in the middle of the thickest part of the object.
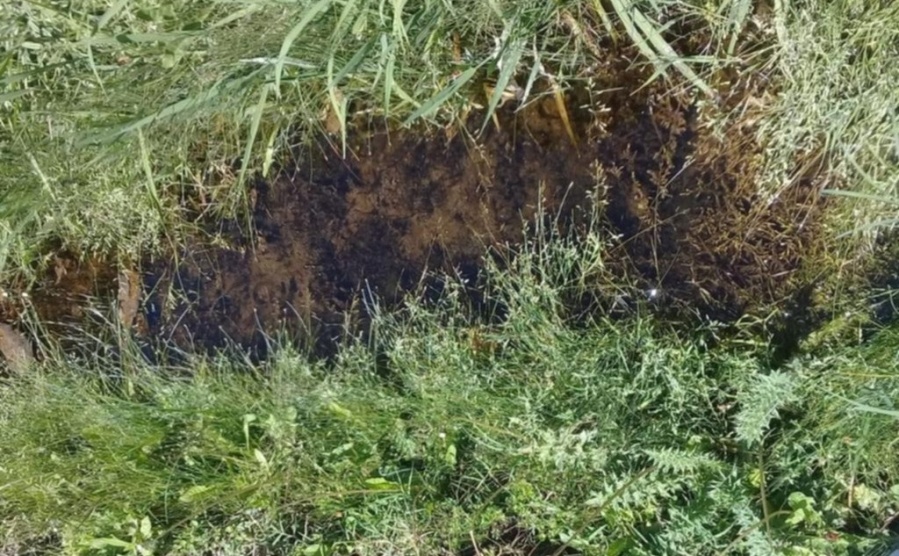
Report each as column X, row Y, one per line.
column 127, row 126
column 446, row 432
column 118, row 108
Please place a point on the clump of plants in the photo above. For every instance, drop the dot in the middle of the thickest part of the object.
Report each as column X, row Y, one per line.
column 445, row 431
column 566, row 418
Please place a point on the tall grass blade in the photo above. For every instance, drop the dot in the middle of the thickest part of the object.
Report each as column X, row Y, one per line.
column 314, row 11
column 877, row 224
column 385, row 65
column 606, row 20
column 639, row 40
column 13, row 95
column 36, row 72
column 641, row 30
column 391, row 87
column 349, row 10
column 563, row 112
column 101, row 39
column 739, row 11
column 399, row 28
column 258, row 111
column 236, row 16
column 860, row 195
column 147, row 168
column 435, row 102
column 510, row 59
column 110, row 13
column 354, row 62
column 338, row 104
column 179, row 108
column 668, row 53
column 152, row 189
column 865, row 408
column 536, row 71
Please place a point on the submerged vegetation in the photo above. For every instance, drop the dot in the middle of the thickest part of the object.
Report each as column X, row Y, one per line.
column 699, row 358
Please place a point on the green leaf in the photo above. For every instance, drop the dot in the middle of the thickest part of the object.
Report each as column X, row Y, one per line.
column 314, row 11
column 760, row 403
column 312, row 550
column 146, row 527
column 110, row 542
column 510, row 58
column 437, row 100
column 450, row 456
column 193, row 493
column 803, row 510
column 380, row 483
column 618, row 547
column 260, row 457
column 339, row 410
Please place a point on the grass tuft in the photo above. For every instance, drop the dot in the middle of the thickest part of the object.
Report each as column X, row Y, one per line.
column 446, row 429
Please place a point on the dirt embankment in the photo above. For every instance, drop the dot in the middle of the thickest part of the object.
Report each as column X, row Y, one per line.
column 680, row 193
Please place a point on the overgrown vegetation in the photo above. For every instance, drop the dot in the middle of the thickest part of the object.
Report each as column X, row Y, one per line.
column 543, row 427
column 129, row 108
column 447, row 434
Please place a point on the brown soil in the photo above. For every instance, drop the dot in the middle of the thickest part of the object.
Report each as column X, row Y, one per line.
column 679, row 193
column 72, row 293
column 401, row 204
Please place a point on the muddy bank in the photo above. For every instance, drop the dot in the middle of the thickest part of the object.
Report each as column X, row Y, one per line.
column 676, row 184
column 679, row 194
column 332, row 231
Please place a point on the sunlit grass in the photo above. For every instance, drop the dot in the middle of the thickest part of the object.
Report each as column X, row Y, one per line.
column 836, row 109
column 124, row 121
column 221, row 90
column 445, row 430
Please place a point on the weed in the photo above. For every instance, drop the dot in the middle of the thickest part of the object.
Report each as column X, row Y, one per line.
column 115, row 113
column 592, row 436
column 125, row 127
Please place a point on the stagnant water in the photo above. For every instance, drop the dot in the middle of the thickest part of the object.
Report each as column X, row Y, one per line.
column 678, row 193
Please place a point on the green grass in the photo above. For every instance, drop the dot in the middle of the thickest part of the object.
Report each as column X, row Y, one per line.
column 124, row 124
column 127, row 108
column 836, row 109
column 220, row 91
column 605, row 436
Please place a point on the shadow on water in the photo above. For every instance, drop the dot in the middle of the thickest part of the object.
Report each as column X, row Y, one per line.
column 330, row 231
